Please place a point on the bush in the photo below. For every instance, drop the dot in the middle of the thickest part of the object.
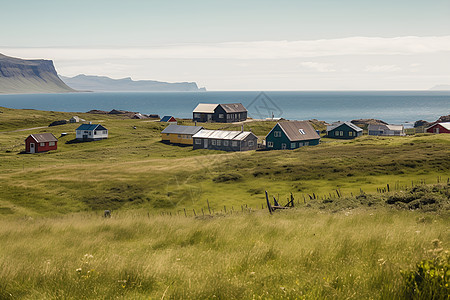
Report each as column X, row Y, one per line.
column 227, row 177
column 429, row 280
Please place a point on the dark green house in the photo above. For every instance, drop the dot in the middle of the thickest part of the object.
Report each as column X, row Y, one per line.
column 344, row 130
column 291, row 135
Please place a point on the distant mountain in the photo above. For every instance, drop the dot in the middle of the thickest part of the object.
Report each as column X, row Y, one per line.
column 441, row 87
column 20, row 76
column 106, row 84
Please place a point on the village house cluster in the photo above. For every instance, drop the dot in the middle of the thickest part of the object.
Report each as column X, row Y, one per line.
column 284, row 135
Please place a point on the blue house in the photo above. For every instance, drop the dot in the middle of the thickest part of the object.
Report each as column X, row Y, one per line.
column 344, row 130
column 291, row 135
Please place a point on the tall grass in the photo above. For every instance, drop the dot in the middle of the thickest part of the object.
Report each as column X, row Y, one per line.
column 300, row 253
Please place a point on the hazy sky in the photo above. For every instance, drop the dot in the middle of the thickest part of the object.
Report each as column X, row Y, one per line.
column 239, row 45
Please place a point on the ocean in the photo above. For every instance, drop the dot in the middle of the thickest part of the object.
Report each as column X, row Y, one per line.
column 395, row 107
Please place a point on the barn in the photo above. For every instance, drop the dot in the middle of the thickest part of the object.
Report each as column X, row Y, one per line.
column 179, row 134
column 291, row 135
column 443, row 127
column 40, row 142
column 385, row 129
column 344, row 130
column 225, row 140
column 91, row 132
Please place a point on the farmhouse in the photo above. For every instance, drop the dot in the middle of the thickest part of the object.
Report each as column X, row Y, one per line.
column 40, row 142
column 383, row 129
column 291, row 135
column 225, row 140
column 443, row 127
column 179, row 134
column 221, row 113
column 344, row 130
column 169, row 119
column 91, row 132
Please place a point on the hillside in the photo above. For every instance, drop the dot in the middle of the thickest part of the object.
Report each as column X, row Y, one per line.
column 106, row 84
column 20, row 76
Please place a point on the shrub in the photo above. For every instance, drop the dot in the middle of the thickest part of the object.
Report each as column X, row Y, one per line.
column 227, row 177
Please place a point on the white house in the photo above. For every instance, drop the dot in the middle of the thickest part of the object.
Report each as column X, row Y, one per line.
column 385, row 129
column 91, row 132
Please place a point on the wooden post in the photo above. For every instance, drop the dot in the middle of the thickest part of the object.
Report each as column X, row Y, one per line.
column 185, row 212
column 194, row 212
column 225, row 208
column 209, row 208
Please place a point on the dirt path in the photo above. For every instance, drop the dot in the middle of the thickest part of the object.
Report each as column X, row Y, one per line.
column 24, row 129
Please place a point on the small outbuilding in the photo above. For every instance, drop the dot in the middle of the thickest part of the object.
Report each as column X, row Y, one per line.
column 344, row 130
column 179, row 134
column 74, row 119
column 91, row 132
column 385, row 129
column 443, row 127
column 225, row 140
column 40, row 142
column 169, row 119
column 291, row 135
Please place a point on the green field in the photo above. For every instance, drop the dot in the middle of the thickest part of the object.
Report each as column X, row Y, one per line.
column 345, row 239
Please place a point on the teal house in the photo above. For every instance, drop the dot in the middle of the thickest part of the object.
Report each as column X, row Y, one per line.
column 344, row 130
column 291, row 135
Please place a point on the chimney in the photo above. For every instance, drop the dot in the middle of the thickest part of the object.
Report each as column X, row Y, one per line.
column 90, row 122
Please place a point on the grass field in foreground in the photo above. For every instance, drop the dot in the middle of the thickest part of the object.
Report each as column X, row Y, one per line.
column 295, row 254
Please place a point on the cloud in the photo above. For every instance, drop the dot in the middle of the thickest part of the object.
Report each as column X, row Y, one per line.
column 382, row 68
column 406, row 45
column 319, row 67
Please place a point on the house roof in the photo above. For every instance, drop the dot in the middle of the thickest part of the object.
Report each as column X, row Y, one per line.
column 181, row 129
column 233, row 107
column 298, row 130
column 44, row 137
column 222, row 134
column 377, row 127
column 349, row 124
column 395, row 127
column 205, row 108
column 91, row 127
column 446, row 125
column 167, row 118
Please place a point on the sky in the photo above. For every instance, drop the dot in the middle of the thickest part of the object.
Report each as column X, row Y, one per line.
column 239, row 45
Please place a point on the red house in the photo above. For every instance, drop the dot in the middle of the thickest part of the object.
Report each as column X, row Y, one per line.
column 443, row 127
column 40, row 142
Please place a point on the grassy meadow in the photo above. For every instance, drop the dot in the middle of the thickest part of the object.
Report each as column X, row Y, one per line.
column 346, row 239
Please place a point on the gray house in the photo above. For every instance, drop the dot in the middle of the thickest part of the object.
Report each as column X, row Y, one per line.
column 344, row 130
column 225, row 140
column 221, row 113
column 384, row 129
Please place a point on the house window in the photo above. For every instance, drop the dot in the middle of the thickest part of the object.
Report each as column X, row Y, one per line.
column 277, row 133
column 300, row 144
column 270, row 144
column 51, row 143
column 167, row 134
column 350, row 133
column 213, row 142
column 301, row 131
column 90, row 132
column 225, row 143
column 198, row 141
column 95, row 132
column 219, row 142
column 86, row 132
column 234, row 143
column 306, row 143
column 251, row 143
column 292, row 145
column 105, row 131
column 42, row 144
column 78, row 131
column 220, row 116
column 179, row 136
column 196, row 115
column 283, row 146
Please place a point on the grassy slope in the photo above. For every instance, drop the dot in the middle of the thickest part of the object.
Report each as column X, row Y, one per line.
column 133, row 169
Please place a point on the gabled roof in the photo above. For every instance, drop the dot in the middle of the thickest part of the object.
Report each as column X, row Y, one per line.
column 205, row 108
column 233, row 107
column 377, row 127
column 44, row 137
column 298, row 130
column 349, row 124
column 222, row 134
column 168, row 119
column 446, row 125
column 395, row 127
column 91, row 127
column 181, row 129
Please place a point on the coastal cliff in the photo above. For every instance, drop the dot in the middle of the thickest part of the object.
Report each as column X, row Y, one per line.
column 106, row 84
column 20, row 76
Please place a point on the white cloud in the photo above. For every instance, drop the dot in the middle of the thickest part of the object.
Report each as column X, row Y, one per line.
column 382, row 68
column 319, row 67
column 406, row 45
